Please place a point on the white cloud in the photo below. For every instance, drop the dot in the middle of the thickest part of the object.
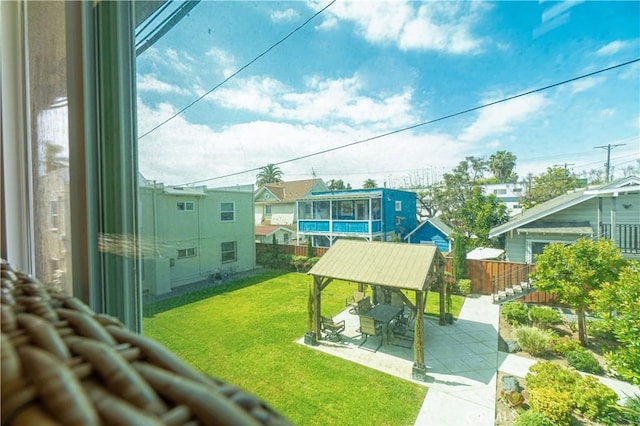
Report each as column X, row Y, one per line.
column 585, row 84
column 150, row 83
column 284, row 15
column 182, row 152
column 502, row 117
column 608, row 112
column 339, row 100
column 612, row 48
column 224, row 60
column 558, row 9
column 440, row 26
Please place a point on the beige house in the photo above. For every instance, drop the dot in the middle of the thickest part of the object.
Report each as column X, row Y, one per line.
column 275, row 203
column 266, row 233
column 188, row 234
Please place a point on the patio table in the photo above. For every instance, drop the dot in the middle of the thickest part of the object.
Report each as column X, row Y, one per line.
column 384, row 314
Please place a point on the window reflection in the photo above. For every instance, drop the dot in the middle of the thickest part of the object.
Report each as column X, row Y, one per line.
column 49, row 151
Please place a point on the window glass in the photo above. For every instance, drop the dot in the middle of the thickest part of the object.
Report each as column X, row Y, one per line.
column 49, row 149
column 227, row 212
column 229, row 253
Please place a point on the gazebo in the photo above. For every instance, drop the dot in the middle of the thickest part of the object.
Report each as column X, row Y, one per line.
column 396, row 266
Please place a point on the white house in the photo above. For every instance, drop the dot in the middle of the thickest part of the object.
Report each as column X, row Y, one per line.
column 189, row 233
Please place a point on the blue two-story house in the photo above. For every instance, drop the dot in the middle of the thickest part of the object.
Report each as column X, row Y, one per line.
column 378, row 214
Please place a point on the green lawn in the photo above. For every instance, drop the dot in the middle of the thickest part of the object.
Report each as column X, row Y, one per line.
column 244, row 333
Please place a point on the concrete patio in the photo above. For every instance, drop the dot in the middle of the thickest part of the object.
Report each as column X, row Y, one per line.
column 462, row 363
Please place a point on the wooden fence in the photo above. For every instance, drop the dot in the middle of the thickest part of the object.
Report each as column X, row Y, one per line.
column 482, row 274
column 265, row 248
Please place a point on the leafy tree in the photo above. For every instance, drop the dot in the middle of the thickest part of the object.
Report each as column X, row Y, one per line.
column 478, row 215
column 338, row 185
column 551, row 184
column 53, row 158
column 427, row 206
column 618, row 304
column 369, row 184
column 573, row 271
column 269, row 174
column 501, row 164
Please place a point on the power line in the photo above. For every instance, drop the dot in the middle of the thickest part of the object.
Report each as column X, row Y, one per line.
column 424, row 123
column 273, row 46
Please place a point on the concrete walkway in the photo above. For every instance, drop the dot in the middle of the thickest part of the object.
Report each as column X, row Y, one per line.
column 462, row 360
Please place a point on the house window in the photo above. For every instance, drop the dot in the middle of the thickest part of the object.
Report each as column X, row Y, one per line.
column 188, row 252
column 398, row 206
column 227, row 212
column 185, row 206
column 54, row 214
column 267, row 210
column 286, row 239
column 500, row 191
column 517, row 190
column 398, row 220
column 229, row 251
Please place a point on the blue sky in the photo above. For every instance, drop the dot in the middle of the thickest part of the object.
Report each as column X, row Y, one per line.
column 362, row 69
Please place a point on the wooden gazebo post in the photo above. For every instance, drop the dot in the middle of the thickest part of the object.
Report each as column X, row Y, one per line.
column 419, row 371
column 317, row 304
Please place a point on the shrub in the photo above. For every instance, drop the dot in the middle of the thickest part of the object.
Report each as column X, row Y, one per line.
column 594, row 400
column 600, row 330
column 549, row 375
column 464, row 286
column 515, row 313
column 624, row 362
column 555, row 405
column 583, row 361
column 544, row 316
column 630, row 413
column 533, row 340
column 532, row 418
column 562, row 345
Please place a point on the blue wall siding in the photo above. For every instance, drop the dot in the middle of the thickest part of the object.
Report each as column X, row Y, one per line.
column 428, row 232
column 407, row 212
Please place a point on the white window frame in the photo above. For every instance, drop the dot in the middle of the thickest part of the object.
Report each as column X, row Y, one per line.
column 398, row 206
column 232, row 211
column 224, row 251
column 185, row 206
column 54, row 215
column 267, row 210
column 187, row 252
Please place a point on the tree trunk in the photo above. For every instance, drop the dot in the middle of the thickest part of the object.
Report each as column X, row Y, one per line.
column 582, row 329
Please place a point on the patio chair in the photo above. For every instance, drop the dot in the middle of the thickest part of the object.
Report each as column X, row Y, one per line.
column 353, row 301
column 332, row 329
column 368, row 327
column 364, row 306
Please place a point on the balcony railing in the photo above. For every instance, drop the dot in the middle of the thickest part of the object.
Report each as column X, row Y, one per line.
column 627, row 237
column 340, row 226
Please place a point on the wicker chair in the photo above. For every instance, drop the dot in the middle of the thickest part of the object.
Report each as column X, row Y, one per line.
column 63, row 364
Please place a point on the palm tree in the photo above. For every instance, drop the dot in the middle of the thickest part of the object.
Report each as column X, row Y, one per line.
column 369, row 184
column 269, row 174
column 502, row 164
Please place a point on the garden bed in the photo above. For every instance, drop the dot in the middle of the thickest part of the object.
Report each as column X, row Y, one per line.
column 505, row 413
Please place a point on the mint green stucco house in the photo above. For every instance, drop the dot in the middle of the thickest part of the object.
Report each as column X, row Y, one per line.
column 610, row 211
column 189, row 233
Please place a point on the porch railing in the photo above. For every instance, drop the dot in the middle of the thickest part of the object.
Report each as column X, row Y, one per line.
column 627, row 237
column 513, row 283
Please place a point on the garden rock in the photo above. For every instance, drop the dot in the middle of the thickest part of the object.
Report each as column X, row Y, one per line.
column 513, row 346
column 510, row 384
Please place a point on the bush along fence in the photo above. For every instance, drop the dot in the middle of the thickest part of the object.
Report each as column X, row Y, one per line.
column 288, row 257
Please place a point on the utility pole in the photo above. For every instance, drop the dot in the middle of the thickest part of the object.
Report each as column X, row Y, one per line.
column 609, row 147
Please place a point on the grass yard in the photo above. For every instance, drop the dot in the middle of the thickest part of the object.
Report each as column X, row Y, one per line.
column 244, row 332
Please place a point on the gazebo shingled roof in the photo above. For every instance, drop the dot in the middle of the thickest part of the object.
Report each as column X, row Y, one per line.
column 396, row 265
